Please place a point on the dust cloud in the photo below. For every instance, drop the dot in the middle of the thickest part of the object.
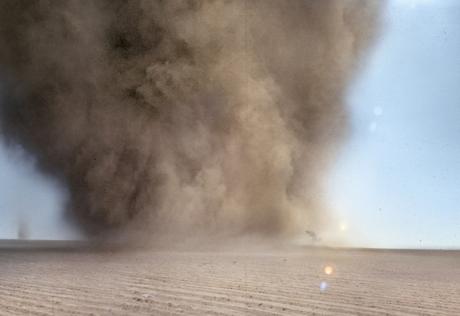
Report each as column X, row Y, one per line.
column 183, row 117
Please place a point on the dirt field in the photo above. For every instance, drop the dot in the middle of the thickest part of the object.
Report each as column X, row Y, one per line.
column 53, row 282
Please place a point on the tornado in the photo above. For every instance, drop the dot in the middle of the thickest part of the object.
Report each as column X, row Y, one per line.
column 182, row 117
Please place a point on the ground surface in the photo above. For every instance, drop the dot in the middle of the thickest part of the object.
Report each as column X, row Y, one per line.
column 83, row 282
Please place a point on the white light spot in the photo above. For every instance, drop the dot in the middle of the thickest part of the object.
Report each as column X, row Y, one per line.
column 378, row 111
column 323, row 286
column 343, row 226
column 373, row 127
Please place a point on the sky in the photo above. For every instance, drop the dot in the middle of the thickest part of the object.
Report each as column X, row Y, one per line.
column 30, row 198
column 396, row 183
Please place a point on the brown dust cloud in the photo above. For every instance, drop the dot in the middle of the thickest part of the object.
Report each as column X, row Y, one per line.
column 218, row 118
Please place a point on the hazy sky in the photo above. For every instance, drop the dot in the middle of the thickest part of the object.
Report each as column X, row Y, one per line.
column 397, row 183
column 397, row 180
column 27, row 196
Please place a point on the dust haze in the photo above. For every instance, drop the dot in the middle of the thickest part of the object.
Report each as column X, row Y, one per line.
column 183, row 117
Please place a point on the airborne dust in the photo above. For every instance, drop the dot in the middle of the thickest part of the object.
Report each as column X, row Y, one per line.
column 179, row 117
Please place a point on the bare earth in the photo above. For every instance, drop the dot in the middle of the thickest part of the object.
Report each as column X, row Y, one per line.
column 363, row 282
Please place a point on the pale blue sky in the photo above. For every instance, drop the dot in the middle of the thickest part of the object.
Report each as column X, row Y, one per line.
column 397, row 182
column 31, row 197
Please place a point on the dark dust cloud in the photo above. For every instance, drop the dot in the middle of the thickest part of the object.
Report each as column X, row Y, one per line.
column 183, row 116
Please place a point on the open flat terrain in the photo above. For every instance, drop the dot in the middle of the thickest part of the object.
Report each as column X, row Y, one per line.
column 362, row 282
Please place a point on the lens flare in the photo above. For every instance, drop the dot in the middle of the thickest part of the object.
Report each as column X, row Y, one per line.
column 323, row 286
column 328, row 270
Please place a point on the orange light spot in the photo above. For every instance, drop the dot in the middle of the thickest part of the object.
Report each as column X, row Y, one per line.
column 328, row 270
